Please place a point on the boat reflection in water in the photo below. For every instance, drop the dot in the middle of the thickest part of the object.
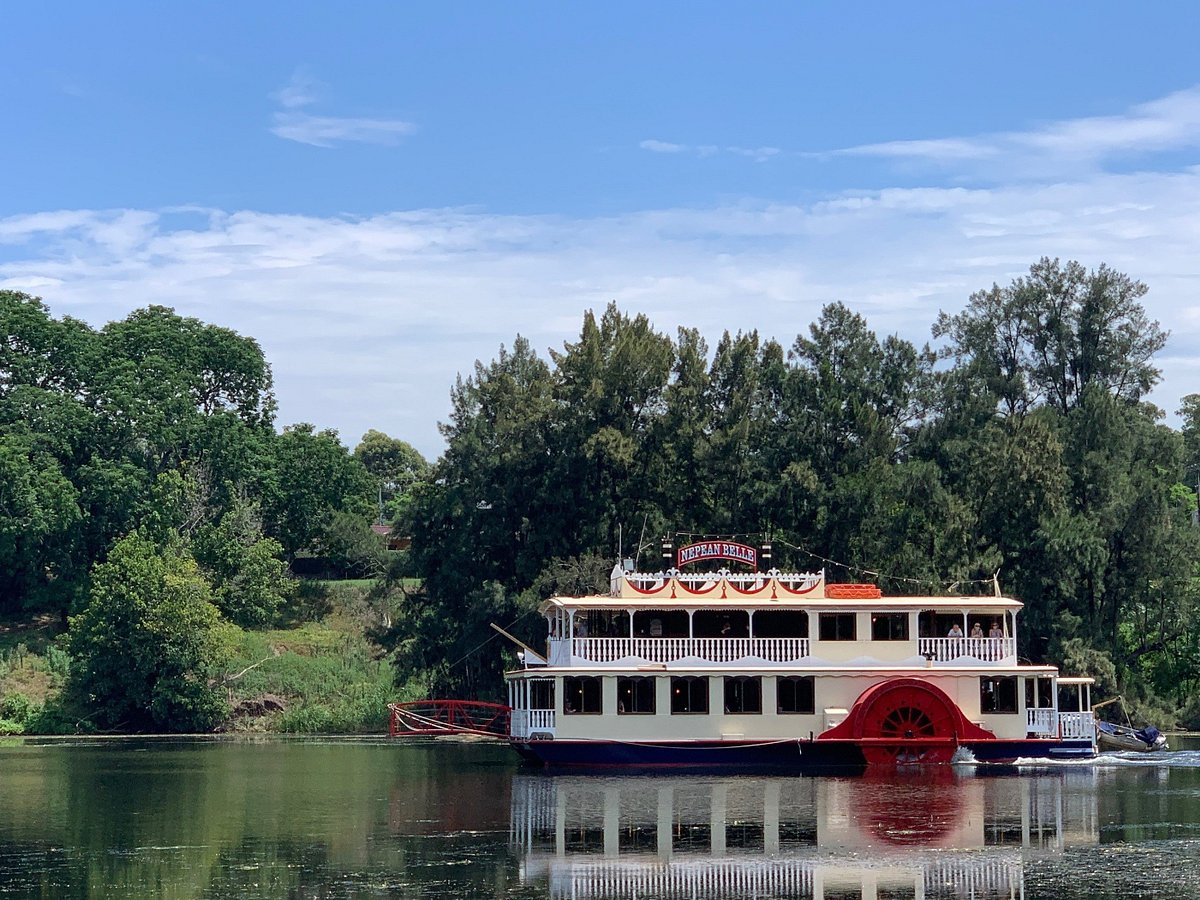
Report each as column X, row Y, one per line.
column 929, row 835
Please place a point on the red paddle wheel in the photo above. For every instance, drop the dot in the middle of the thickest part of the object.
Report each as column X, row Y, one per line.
column 906, row 721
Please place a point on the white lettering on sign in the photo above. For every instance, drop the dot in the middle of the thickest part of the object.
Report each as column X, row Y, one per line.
column 717, row 550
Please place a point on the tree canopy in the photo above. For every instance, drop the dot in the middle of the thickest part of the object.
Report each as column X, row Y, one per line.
column 147, row 493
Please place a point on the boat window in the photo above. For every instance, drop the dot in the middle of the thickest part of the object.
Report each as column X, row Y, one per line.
column 726, row 623
column 743, row 835
column 794, row 694
column 837, row 627
column 1070, row 698
column 889, row 626
column 781, row 623
column 689, row 694
column 743, row 694
column 581, row 695
column 1039, row 693
column 635, row 696
column 932, row 624
column 998, row 694
column 541, row 693
column 691, row 837
column 604, row 623
column 660, row 623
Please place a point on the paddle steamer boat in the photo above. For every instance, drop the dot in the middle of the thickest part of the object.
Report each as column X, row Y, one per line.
column 762, row 668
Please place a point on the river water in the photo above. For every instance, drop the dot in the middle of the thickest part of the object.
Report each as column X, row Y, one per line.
column 336, row 818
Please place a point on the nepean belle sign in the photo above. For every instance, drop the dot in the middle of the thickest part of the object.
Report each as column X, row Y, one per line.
column 704, row 550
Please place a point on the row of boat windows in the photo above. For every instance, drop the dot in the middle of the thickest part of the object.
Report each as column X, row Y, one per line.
column 637, row 695
column 831, row 626
column 794, row 694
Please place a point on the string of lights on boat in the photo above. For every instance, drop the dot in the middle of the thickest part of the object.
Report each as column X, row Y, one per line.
column 949, row 584
column 768, row 540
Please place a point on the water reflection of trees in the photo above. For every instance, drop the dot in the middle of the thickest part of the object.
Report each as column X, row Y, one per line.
column 278, row 818
column 212, row 818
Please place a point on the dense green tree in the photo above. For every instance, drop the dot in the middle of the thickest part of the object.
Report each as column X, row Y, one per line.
column 1050, row 335
column 148, row 641
column 311, row 477
column 490, row 511
column 38, row 351
column 352, row 549
column 395, row 468
column 39, row 513
column 250, row 581
column 610, row 387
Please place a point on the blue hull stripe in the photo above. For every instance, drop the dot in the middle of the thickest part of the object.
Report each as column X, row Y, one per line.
column 797, row 755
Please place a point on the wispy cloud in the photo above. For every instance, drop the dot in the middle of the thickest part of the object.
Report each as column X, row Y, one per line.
column 1167, row 123
column 758, row 154
column 662, row 147
column 302, row 90
column 295, row 123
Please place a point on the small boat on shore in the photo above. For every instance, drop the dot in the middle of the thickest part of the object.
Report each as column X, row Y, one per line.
column 1110, row 736
column 1126, row 738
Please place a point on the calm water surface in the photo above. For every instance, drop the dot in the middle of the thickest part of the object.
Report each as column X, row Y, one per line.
column 328, row 818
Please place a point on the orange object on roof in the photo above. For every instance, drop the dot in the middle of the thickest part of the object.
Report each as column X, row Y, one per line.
column 853, row 592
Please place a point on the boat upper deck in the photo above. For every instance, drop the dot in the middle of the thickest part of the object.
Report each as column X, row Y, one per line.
column 773, row 619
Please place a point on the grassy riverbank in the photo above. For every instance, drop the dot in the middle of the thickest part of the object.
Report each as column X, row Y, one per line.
column 322, row 672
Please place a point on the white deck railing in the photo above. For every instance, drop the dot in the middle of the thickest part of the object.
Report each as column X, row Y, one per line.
column 670, row 649
column 1042, row 722
column 1069, row 726
column 528, row 721
column 1077, row 726
column 949, row 649
column 771, row 650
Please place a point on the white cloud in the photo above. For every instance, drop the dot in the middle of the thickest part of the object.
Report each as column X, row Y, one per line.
column 758, row 154
column 302, row 90
column 295, row 123
column 662, row 147
column 1167, row 123
column 326, row 131
column 367, row 320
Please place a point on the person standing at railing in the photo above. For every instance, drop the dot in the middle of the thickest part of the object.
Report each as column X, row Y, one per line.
column 996, row 631
column 977, row 631
column 955, row 631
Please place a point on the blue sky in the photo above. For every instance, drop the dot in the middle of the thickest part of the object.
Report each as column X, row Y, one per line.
column 383, row 193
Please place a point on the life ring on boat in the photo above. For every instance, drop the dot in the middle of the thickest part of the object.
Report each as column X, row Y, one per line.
column 906, row 720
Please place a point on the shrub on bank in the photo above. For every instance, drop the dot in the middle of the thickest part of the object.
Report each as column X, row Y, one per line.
column 329, row 678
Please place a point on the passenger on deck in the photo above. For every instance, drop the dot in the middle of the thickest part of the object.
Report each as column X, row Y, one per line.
column 996, row 631
column 977, row 631
column 955, row 631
